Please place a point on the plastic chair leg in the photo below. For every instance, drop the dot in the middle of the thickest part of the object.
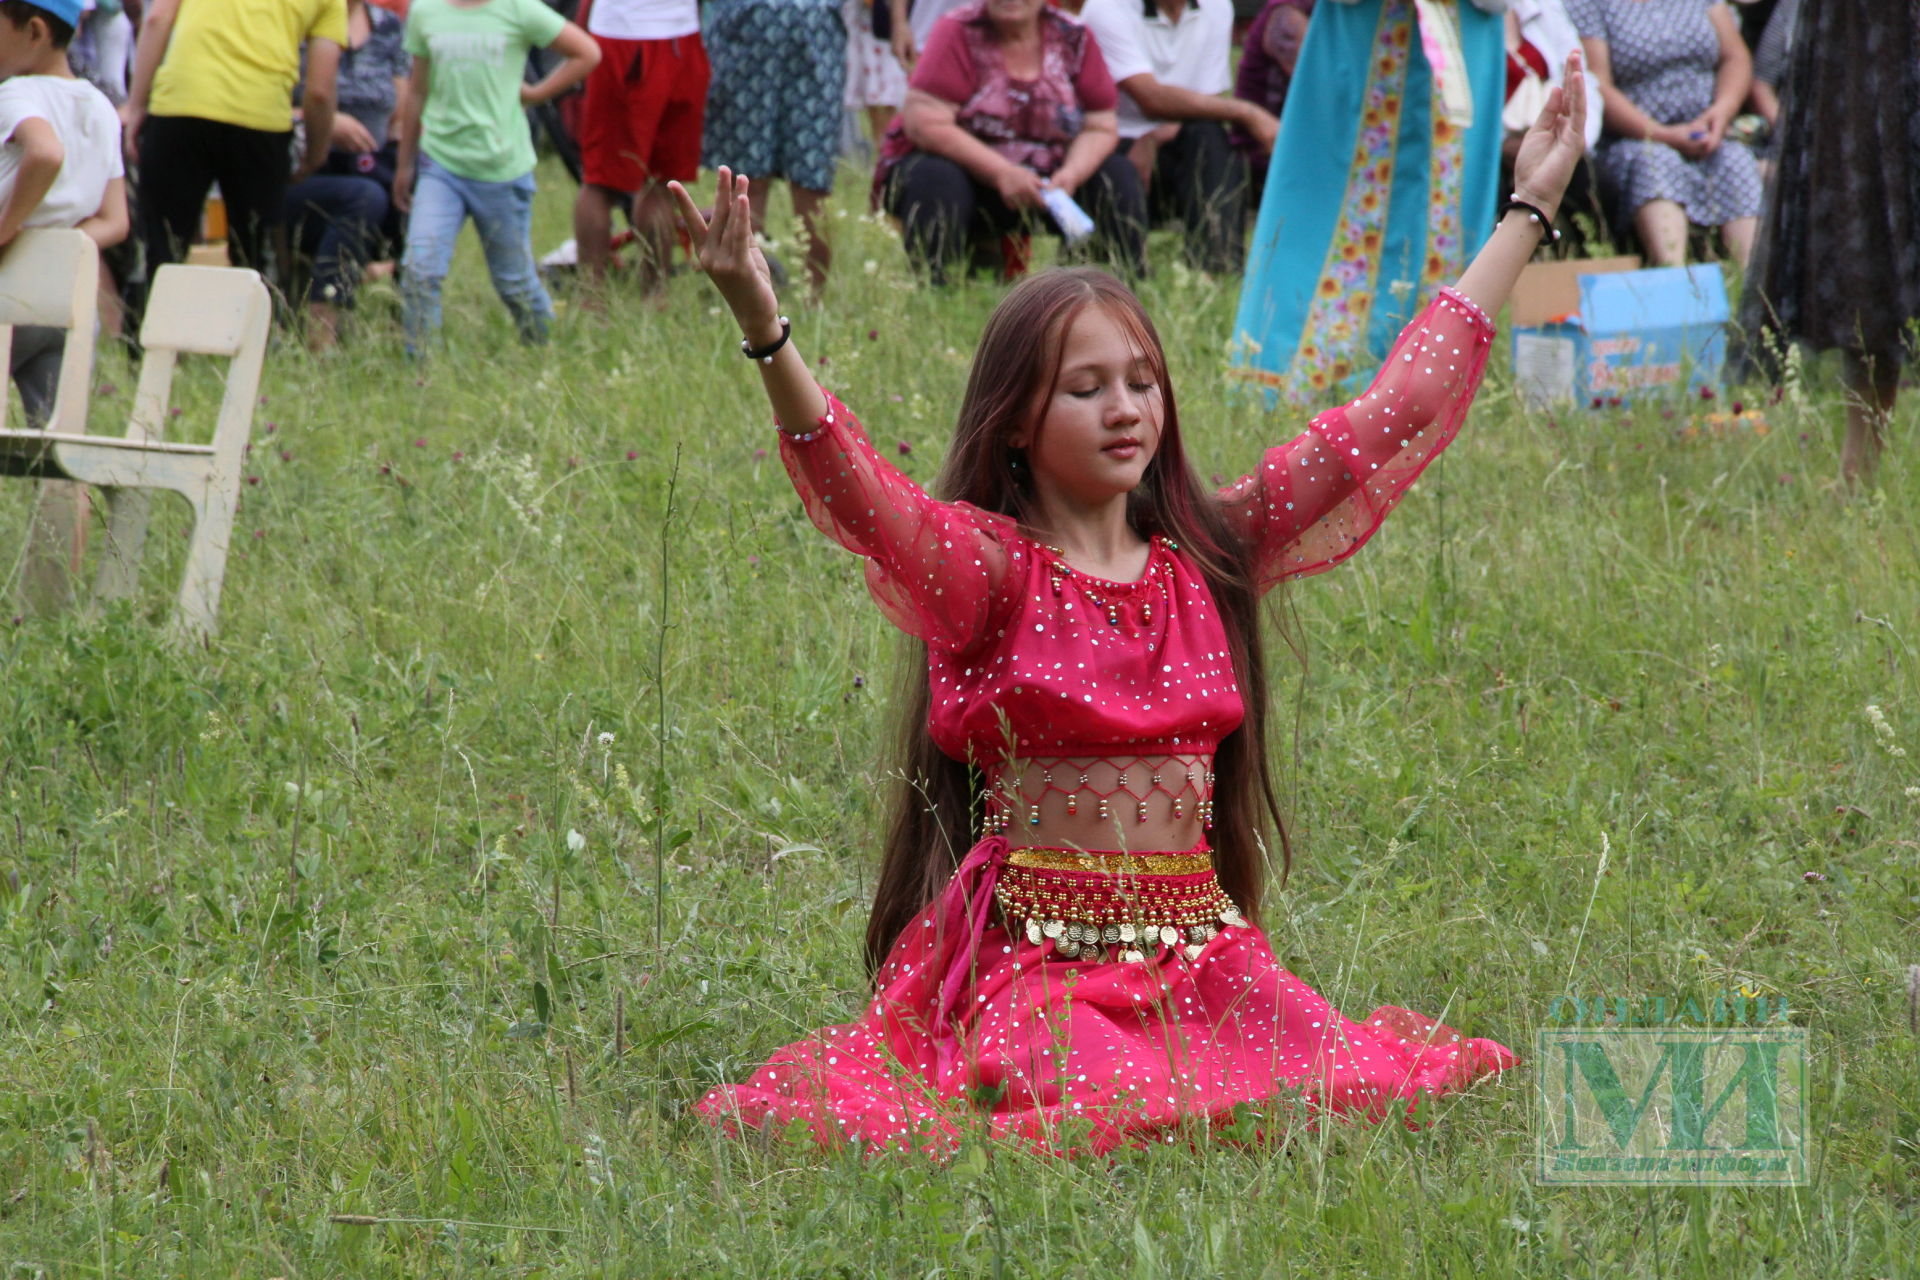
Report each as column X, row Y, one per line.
column 118, row 574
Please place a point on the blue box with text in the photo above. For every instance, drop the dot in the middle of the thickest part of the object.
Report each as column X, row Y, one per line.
column 1627, row 334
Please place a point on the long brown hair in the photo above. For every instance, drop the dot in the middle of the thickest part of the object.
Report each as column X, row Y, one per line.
column 1014, row 370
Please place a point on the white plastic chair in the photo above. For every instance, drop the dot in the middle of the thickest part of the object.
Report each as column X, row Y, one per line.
column 219, row 311
column 49, row 278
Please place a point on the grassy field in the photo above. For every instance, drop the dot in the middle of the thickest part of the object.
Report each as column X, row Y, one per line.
column 315, row 943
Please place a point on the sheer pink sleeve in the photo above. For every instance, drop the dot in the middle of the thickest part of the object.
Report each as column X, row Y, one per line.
column 939, row 570
column 1316, row 499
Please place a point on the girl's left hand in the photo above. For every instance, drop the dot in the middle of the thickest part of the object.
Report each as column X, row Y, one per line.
column 1553, row 146
column 729, row 255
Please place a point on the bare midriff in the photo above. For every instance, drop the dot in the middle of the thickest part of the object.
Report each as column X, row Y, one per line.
column 1120, row 804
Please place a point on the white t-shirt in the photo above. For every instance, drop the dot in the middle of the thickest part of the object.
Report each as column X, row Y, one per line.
column 924, row 14
column 644, row 19
column 87, row 127
column 1544, row 24
column 1194, row 53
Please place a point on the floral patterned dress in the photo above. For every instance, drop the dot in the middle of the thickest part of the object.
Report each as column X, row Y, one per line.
column 1379, row 190
column 1079, row 1001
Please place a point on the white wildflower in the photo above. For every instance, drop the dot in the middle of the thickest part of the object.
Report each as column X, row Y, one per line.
column 518, row 481
column 606, row 741
column 1884, row 731
column 595, row 1161
column 575, row 841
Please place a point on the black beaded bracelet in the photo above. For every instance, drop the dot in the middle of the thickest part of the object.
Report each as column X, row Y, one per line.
column 765, row 354
column 1551, row 233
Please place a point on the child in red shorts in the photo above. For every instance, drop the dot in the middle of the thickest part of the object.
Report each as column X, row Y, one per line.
column 641, row 126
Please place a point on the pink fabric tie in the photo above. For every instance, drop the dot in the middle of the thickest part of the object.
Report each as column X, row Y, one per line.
column 960, row 915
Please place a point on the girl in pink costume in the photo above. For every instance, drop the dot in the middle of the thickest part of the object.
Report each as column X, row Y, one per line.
column 1086, row 973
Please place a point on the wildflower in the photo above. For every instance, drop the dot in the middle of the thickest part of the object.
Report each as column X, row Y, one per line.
column 253, row 479
column 633, row 455
column 575, row 841
column 458, row 455
column 872, row 334
column 285, row 456
column 573, row 464
column 1813, row 877
column 904, row 448
column 1738, row 408
column 1785, row 478
column 259, row 533
column 1706, row 393
column 272, row 427
column 420, row 442
column 606, row 740
column 1884, row 731
column 174, row 412
column 108, row 388
column 859, row 682
column 870, row 267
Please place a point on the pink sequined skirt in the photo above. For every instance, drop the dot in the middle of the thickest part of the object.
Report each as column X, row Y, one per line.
column 974, row 1028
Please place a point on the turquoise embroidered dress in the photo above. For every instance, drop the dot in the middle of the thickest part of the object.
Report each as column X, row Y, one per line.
column 1381, row 188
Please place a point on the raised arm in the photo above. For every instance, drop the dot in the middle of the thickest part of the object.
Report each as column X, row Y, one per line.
column 940, row 571
column 1315, row 500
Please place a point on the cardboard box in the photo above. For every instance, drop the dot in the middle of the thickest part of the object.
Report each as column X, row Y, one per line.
column 1605, row 330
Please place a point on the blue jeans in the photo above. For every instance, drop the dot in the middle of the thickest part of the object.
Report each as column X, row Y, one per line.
column 502, row 213
column 334, row 221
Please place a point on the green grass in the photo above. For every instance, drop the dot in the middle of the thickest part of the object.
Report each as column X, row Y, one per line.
column 281, row 918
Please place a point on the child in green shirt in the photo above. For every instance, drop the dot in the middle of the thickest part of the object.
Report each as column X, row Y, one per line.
column 466, row 152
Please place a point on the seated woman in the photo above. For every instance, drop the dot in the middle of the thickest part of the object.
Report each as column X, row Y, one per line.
column 1673, row 74
column 1009, row 98
column 340, row 216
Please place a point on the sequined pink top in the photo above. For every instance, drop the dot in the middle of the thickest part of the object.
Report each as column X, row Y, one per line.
column 1023, row 659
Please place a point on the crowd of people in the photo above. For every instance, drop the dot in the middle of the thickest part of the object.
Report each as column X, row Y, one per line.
column 403, row 122
column 347, row 136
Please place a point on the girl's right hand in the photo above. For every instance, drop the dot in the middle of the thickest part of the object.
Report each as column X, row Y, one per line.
column 728, row 253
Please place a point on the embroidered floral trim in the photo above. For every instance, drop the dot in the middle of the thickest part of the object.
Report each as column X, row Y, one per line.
column 1446, row 245
column 1334, row 335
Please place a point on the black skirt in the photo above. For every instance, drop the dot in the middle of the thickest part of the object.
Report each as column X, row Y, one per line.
column 1837, row 263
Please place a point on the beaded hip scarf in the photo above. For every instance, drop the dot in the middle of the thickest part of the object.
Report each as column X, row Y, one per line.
column 1114, row 906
